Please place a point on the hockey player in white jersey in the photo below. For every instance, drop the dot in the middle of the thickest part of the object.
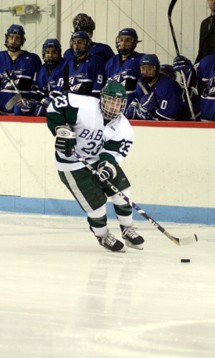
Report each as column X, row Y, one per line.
column 101, row 134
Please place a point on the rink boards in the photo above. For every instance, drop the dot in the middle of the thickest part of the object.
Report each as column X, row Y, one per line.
column 171, row 168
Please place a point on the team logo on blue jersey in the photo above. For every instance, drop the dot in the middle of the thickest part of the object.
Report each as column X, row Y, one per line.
column 209, row 91
column 120, row 76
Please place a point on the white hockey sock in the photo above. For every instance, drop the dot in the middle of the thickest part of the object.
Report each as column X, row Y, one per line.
column 125, row 220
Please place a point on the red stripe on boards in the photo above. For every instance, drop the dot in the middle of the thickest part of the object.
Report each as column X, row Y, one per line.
column 134, row 122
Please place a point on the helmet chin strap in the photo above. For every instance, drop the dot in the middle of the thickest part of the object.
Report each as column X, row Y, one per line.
column 13, row 48
column 51, row 62
column 79, row 53
column 125, row 52
column 150, row 80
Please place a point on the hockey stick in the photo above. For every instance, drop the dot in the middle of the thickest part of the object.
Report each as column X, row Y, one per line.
column 19, row 96
column 178, row 241
column 11, row 103
column 171, row 6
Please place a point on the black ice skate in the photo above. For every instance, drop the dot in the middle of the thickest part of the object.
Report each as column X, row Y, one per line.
column 111, row 243
column 132, row 239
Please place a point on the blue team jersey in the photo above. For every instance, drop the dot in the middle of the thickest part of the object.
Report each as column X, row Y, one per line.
column 86, row 77
column 168, row 99
column 96, row 48
column 127, row 72
column 23, row 72
column 50, row 84
column 206, row 77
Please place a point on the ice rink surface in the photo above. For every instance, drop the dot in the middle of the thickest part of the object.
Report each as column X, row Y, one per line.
column 64, row 296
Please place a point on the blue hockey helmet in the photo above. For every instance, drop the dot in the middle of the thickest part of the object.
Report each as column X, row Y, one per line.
column 80, row 35
column 150, row 59
column 149, row 74
column 16, row 30
column 51, row 43
column 127, row 32
column 51, row 59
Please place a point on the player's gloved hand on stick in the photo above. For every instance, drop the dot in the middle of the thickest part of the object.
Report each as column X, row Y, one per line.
column 65, row 140
column 148, row 102
column 27, row 107
column 131, row 111
column 107, row 171
column 181, row 63
column 147, row 106
column 41, row 107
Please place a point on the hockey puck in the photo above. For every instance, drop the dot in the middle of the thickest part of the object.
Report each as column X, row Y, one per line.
column 185, row 260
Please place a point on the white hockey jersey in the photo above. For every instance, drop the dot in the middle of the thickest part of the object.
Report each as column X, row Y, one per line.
column 93, row 137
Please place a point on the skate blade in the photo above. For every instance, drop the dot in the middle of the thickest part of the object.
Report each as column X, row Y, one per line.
column 136, row 247
column 123, row 249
